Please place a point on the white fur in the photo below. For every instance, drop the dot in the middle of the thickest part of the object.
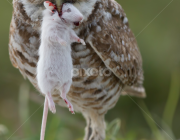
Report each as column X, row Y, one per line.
column 74, row 15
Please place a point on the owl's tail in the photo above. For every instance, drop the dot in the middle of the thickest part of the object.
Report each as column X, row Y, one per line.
column 136, row 90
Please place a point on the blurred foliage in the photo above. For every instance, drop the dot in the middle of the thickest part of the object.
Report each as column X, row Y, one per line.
column 56, row 130
column 153, row 118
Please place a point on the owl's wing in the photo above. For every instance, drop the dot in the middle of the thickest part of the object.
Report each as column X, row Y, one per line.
column 111, row 38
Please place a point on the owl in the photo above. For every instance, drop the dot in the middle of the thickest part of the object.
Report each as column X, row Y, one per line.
column 108, row 66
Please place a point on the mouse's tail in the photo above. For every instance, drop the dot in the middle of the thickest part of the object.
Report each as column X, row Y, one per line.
column 44, row 119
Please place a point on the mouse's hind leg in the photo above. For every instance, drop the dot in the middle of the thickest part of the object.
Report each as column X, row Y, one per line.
column 64, row 91
column 51, row 103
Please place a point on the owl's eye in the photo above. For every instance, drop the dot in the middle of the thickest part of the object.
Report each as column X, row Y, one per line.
column 68, row 10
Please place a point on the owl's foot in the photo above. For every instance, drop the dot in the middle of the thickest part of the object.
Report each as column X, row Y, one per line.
column 95, row 129
column 96, row 136
column 51, row 103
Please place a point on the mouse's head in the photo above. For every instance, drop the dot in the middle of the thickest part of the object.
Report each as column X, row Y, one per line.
column 70, row 14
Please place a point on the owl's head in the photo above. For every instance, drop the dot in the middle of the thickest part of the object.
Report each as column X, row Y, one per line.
column 69, row 14
column 34, row 8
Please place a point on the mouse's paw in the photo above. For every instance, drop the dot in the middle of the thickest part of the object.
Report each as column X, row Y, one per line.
column 52, row 107
column 70, row 106
column 82, row 41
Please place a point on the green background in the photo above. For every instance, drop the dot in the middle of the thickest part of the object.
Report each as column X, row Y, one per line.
column 156, row 26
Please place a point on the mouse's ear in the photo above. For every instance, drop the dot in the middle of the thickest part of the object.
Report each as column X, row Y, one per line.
column 49, row 5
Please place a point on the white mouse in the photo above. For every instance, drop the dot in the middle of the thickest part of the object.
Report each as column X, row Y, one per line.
column 55, row 63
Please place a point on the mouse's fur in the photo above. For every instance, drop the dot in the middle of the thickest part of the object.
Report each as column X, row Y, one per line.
column 55, row 63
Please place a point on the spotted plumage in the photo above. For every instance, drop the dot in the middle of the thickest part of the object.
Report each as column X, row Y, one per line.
column 110, row 45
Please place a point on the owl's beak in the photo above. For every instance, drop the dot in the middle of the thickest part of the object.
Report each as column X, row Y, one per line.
column 58, row 4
